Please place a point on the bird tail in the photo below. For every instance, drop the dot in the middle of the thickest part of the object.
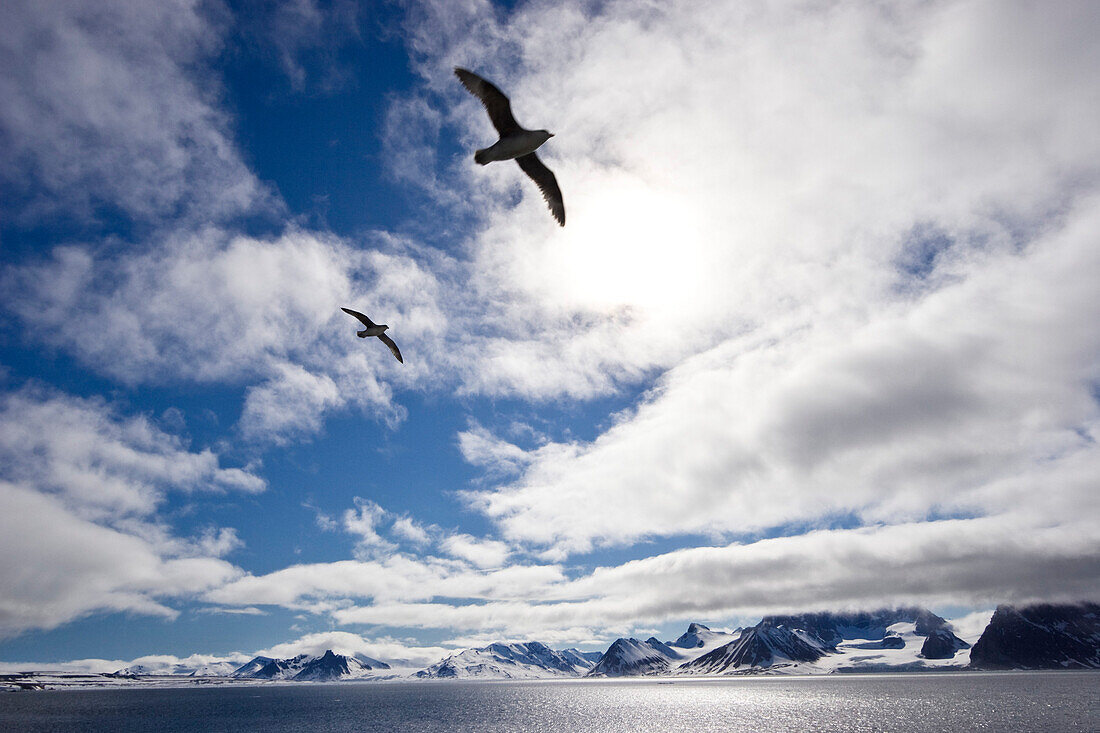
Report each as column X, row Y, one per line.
column 361, row 334
column 481, row 157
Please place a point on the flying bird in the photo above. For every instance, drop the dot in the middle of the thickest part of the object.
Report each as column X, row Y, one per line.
column 515, row 142
column 374, row 329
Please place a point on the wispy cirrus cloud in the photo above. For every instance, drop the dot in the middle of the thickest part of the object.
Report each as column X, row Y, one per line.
column 304, row 38
column 112, row 106
column 101, row 463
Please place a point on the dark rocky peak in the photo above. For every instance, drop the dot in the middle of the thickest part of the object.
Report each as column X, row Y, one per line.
column 329, row 666
column 892, row 641
column 280, row 668
column 942, row 644
column 1041, row 636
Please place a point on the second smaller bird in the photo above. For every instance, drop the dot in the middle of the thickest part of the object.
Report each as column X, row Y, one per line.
column 375, row 329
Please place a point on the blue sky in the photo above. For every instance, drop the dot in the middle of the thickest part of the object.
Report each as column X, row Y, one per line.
column 820, row 332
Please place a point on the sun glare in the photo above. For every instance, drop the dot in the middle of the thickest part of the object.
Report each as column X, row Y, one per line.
column 630, row 244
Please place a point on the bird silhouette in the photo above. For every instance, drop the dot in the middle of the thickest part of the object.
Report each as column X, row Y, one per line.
column 515, row 142
column 375, row 329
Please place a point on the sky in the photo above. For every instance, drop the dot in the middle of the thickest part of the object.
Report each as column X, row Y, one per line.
column 821, row 332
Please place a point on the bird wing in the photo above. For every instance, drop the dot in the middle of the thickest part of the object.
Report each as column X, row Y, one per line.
column 393, row 347
column 544, row 179
column 496, row 104
column 362, row 318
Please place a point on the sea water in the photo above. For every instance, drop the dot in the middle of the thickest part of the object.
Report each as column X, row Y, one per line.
column 1013, row 701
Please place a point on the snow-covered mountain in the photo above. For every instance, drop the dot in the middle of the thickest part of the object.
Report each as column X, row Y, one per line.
column 532, row 660
column 306, row 668
column 281, row 669
column 699, row 637
column 1043, row 636
column 212, row 669
column 139, row 670
column 762, row 646
column 833, row 628
column 900, row 639
column 251, row 667
column 630, row 657
column 331, row 666
column 883, row 640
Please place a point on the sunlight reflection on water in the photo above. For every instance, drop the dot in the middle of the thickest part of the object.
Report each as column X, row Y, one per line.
column 930, row 702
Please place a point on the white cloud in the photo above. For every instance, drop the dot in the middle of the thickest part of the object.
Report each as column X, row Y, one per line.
column 82, row 487
column 209, row 306
column 110, row 104
column 783, row 189
column 324, row 586
column 217, row 308
column 924, row 408
column 969, row 628
column 62, row 567
column 481, row 552
column 102, row 465
column 166, row 663
column 362, row 521
column 242, row 611
column 479, row 447
column 409, row 529
column 379, row 533
column 857, row 241
column 75, row 666
column 219, row 542
column 291, row 404
column 399, row 654
column 974, row 562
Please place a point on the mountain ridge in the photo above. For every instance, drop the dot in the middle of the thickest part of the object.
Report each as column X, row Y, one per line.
column 1038, row 636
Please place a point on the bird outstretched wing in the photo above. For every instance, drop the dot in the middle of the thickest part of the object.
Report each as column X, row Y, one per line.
column 362, row 318
column 393, row 347
column 496, row 104
column 544, row 179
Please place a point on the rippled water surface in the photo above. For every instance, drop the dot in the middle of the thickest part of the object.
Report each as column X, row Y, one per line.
column 1042, row 701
